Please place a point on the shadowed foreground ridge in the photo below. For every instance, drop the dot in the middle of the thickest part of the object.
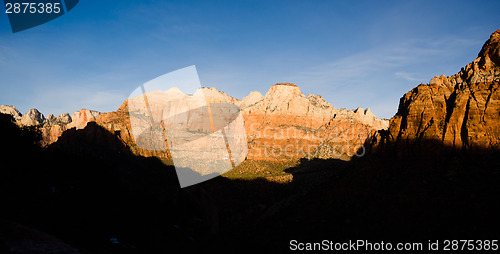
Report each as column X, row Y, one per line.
column 88, row 190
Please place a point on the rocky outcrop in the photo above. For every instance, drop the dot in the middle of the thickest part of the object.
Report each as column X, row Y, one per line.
column 215, row 96
column 459, row 111
column 63, row 119
column 282, row 125
column 118, row 122
column 54, row 127
column 11, row 110
column 82, row 117
column 287, row 125
column 51, row 127
column 250, row 100
column 32, row 118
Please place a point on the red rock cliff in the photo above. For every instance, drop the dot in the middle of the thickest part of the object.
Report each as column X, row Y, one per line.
column 460, row 111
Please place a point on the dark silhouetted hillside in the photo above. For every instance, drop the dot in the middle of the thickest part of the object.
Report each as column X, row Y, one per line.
column 88, row 190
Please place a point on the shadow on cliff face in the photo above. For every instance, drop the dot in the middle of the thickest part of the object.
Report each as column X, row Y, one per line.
column 91, row 192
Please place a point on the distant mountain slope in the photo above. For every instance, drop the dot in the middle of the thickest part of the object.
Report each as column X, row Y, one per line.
column 282, row 125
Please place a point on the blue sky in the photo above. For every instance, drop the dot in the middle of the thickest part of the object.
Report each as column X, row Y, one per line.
column 353, row 53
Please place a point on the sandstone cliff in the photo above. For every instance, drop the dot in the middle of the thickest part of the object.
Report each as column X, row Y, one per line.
column 285, row 124
column 82, row 117
column 282, row 125
column 460, row 111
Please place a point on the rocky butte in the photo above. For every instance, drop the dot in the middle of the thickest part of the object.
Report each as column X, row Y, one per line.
column 281, row 125
column 286, row 124
column 460, row 111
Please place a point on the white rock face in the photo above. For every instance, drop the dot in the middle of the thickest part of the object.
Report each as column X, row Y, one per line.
column 287, row 99
column 203, row 132
column 63, row 119
column 368, row 118
column 213, row 95
column 249, row 100
column 280, row 97
column 11, row 110
column 32, row 118
column 50, row 119
column 82, row 117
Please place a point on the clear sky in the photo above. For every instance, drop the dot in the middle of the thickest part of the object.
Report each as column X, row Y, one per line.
column 353, row 53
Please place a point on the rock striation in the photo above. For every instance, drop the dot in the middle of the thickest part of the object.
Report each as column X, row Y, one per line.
column 282, row 125
column 80, row 118
column 459, row 111
column 53, row 127
column 285, row 124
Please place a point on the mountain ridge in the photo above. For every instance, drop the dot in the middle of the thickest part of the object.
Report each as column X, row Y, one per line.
column 283, row 116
